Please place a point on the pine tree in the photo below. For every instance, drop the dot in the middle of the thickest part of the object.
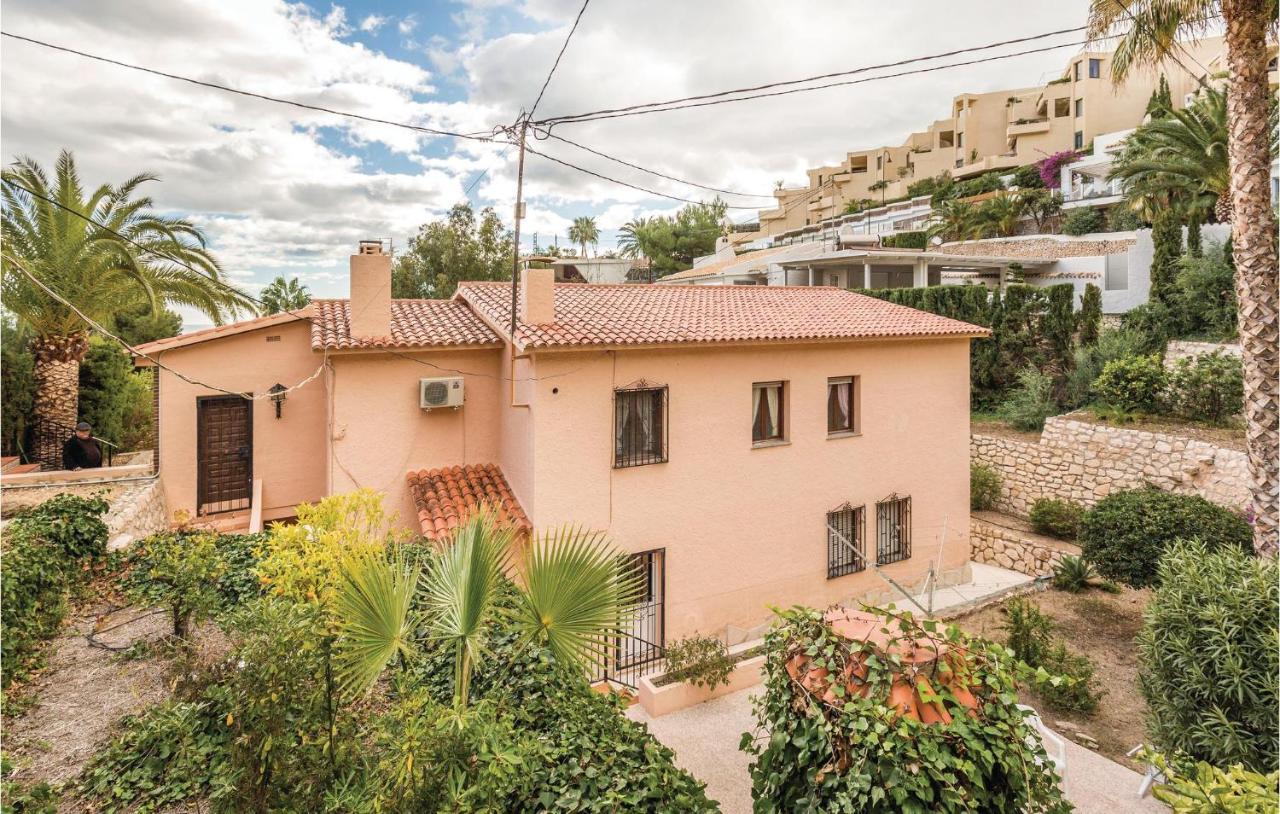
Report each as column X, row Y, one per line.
column 1161, row 101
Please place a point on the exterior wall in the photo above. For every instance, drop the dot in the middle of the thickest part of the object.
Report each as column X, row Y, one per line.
column 1085, row 462
column 379, row 433
column 288, row 452
column 743, row 527
column 997, row 543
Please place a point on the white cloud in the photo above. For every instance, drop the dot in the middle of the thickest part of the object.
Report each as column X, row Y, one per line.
column 372, row 23
column 407, row 25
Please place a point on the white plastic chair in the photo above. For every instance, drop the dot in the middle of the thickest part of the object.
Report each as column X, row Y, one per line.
column 1047, row 737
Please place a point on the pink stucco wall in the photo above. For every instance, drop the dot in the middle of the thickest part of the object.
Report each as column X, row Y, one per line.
column 288, row 452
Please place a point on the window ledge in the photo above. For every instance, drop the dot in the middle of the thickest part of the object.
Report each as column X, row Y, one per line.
column 843, row 434
column 776, row 442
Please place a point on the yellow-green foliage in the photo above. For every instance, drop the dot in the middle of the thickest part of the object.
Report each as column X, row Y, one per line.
column 304, row 561
column 1205, row 789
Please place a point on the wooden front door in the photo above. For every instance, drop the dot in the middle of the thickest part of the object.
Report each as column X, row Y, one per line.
column 224, row 454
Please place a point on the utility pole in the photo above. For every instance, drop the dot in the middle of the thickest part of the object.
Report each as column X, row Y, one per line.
column 515, row 260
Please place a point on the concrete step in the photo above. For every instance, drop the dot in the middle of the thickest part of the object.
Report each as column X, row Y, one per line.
column 227, row 523
column 8, row 462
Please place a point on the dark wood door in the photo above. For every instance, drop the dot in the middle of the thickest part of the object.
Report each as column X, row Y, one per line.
column 224, row 457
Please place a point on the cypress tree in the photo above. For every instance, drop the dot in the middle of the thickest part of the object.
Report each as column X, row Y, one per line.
column 1090, row 316
column 1194, row 249
column 1166, row 235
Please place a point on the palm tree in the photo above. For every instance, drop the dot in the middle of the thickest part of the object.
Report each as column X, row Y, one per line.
column 284, row 295
column 573, row 591
column 144, row 256
column 631, row 238
column 584, row 231
column 1149, row 31
column 1000, row 215
column 955, row 220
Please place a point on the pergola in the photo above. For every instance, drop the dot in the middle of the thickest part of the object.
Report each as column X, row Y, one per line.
column 897, row 268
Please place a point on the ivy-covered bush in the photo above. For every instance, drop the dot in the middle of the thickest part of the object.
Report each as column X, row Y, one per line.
column 1211, row 388
column 1057, row 518
column 1210, row 656
column 1133, row 384
column 984, row 487
column 826, row 749
column 1126, row 533
column 51, row 549
column 1083, row 221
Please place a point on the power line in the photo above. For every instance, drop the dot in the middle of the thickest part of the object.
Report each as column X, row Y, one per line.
column 252, row 95
column 769, row 86
column 480, row 175
column 217, row 281
column 844, row 83
column 646, row 169
column 645, row 190
column 556, row 64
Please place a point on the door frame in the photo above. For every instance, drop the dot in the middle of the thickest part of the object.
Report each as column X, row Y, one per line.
column 200, row 472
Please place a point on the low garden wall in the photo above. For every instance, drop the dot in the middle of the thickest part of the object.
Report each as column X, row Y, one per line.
column 1183, row 349
column 137, row 512
column 1003, row 541
column 1085, row 462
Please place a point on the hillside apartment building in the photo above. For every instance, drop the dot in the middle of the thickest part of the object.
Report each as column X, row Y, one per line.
column 1002, row 129
column 717, row 434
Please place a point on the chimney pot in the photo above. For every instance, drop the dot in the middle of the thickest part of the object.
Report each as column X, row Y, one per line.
column 370, row 314
column 538, row 296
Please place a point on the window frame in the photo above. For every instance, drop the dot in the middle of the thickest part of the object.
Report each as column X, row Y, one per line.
column 1076, row 71
column 1095, row 68
column 840, row 561
column 781, row 437
column 1078, row 140
column 624, row 458
column 895, row 509
column 1079, row 111
column 852, row 428
column 1062, row 107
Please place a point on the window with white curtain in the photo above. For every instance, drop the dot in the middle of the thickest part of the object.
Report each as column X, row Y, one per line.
column 768, row 404
column 842, row 405
column 639, row 426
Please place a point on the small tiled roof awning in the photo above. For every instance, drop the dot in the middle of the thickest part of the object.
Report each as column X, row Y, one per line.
column 446, row 497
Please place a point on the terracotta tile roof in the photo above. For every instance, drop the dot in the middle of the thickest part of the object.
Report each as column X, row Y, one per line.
column 446, row 497
column 639, row 315
column 219, row 331
column 414, row 324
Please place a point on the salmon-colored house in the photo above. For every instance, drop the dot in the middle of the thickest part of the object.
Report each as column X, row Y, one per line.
column 741, row 441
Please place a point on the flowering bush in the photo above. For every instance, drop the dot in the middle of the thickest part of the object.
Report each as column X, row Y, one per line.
column 1049, row 167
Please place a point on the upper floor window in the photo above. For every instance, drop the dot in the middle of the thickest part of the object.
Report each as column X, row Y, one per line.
column 1095, row 68
column 947, row 138
column 846, row 540
column 639, row 426
column 1076, row 71
column 1078, row 143
column 768, row 405
column 1062, row 107
column 893, row 529
column 842, row 404
column 959, row 139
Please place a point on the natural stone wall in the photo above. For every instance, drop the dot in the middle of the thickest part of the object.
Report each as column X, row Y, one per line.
column 1008, row 545
column 136, row 512
column 1084, row 462
column 1182, row 349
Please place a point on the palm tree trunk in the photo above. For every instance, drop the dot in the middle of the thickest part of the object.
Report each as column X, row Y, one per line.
column 57, row 372
column 1254, row 246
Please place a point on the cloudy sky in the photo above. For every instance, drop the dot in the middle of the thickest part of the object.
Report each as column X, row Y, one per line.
column 286, row 191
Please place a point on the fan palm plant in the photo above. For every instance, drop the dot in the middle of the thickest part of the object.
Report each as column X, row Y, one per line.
column 1000, row 215
column 574, row 594
column 374, row 609
column 584, row 231
column 955, row 220
column 284, row 295
column 99, row 271
column 1148, row 32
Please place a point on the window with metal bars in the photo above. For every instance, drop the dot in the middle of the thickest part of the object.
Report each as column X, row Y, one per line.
column 846, row 540
column 893, row 529
column 639, row 426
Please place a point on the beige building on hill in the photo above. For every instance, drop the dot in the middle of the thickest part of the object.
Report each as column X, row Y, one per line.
column 1002, row 129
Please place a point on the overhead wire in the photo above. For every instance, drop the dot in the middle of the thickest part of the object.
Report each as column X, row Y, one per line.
column 559, row 56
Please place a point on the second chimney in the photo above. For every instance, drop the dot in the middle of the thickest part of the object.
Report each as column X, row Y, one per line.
column 538, row 296
column 370, row 291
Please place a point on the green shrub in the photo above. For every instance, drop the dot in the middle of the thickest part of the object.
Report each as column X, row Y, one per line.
column 1125, row 535
column 859, row 755
column 984, row 487
column 1089, row 319
column 1211, row 388
column 1205, row 292
column 1057, row 518
column 1205, row 789
column 1210, row 657
column 1154, row 322
column 1082, row 221
column 1076, row 693
column 1027, row 177
column 1029, row 630
column 52, row 549
column 1075, row 574
column 1122, row 219
column 22, row 798
column 1088, row 362
column 905, row 240
column 180, row 571
column 1132, row 384
column 702, row 661
column 1031, row 402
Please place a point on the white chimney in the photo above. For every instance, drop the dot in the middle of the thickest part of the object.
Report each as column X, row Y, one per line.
column 370, row 291
column 537, row 296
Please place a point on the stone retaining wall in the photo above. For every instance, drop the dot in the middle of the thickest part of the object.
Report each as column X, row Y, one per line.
column 1084, row 462
column 136, row 512
column 1010, row 547
column 1182, row 349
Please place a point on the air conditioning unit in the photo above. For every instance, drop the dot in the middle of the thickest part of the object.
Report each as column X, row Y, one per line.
column 442, row 392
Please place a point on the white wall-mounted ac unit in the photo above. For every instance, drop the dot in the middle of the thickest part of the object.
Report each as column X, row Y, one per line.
column 446, row 391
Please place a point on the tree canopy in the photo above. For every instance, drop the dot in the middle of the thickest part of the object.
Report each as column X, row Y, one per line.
column 446, row 252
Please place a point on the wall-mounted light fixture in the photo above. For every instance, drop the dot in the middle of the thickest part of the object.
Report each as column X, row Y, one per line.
column 278, row 396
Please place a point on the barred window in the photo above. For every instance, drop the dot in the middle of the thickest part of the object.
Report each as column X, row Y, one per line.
column 639, row 426
column 846, row 536
column 893, row 529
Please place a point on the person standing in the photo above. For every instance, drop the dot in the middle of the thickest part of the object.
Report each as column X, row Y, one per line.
column 82, row 450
